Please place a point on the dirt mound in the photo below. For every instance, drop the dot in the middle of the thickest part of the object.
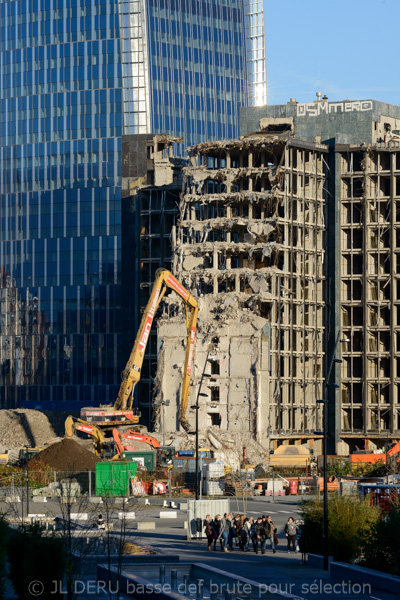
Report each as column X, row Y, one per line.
column 24, row 427
column 67, row 455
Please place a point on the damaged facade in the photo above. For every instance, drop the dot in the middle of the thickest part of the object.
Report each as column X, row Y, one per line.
column 363, row 262
column 290, row 237
column 251, row 246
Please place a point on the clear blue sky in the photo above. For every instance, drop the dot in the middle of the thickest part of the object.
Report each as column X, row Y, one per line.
column 347, row 49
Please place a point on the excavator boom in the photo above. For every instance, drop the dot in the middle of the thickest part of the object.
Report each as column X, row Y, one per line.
column 122, row 412
column 71, row 426
column 132, row 372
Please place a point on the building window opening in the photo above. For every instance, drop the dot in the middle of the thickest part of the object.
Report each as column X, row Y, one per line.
column 215, row 394
column 215, row 419
column 215, row 370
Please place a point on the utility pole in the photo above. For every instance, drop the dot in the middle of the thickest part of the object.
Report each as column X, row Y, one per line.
column 27, row 481
column 196, row 408
column 325, row 432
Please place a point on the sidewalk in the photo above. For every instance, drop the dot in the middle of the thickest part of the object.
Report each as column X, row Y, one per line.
column 282, row 571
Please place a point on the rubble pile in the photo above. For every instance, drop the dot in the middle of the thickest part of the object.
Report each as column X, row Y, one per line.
column 66, row 455
column 225, row 447
column 24, row 427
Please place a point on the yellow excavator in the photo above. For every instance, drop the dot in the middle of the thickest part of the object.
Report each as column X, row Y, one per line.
column 122, row 413
column 72, row 425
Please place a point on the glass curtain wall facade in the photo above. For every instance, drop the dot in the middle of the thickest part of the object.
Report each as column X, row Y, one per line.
column 75, row 77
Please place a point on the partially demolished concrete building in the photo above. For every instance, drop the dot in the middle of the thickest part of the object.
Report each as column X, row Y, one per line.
column 251, row 246
column 290, row 237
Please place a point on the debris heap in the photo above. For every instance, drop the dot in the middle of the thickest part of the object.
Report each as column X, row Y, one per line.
column 66, row 455
column 24, row 427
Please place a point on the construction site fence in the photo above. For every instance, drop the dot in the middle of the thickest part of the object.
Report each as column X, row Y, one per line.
column 81, row 484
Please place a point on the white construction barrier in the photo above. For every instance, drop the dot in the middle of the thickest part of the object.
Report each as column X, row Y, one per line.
column 79, row 516
column 169, row 514
column 126, row 515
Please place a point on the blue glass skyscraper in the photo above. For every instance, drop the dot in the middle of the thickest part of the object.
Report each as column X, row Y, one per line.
column 76, row 76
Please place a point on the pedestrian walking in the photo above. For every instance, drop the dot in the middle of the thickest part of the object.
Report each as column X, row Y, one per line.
column 291, row 534
column 302, row 544
column 241, row 537
column 232, row 532
column 270, row 532
column 259, row 535
column 224, row 531
column 209, row 531
column 217, row 529
column 247, row 533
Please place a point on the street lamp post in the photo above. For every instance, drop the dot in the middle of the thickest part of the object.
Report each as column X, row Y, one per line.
column 325, row 433
column 27, row 482
column 196, row 408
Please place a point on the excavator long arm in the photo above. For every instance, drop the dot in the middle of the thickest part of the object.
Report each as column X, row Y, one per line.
column 132, row 371
column 120, row 436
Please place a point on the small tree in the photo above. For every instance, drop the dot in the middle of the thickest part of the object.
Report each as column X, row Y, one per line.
column 74, row 538
column 351, row 525
column 34, row 557
column 4, row 532
column 382, row 550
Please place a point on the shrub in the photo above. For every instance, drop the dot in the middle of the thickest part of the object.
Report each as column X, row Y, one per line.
column 383, row 550
column 3, row 556
column 352, row 522
column 33, row 557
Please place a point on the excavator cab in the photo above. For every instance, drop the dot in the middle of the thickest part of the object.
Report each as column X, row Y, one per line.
column 165, row 456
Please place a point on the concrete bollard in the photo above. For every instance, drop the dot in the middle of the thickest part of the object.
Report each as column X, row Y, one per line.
column 79, row 516
column 174, row 578
column 168, row 514
column 146, row 525
column 162, row 574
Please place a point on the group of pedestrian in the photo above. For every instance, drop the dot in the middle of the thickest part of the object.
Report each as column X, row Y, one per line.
column 246, row 532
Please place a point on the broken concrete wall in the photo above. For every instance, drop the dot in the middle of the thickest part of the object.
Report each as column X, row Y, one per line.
column 232, row 363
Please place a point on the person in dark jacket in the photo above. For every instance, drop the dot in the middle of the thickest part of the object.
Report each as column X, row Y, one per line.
column 291, row 534
column 232, row 538
column 270, row 532
column 259, row 535
column 100, row 523
column 209, row 531
column 217, row 529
